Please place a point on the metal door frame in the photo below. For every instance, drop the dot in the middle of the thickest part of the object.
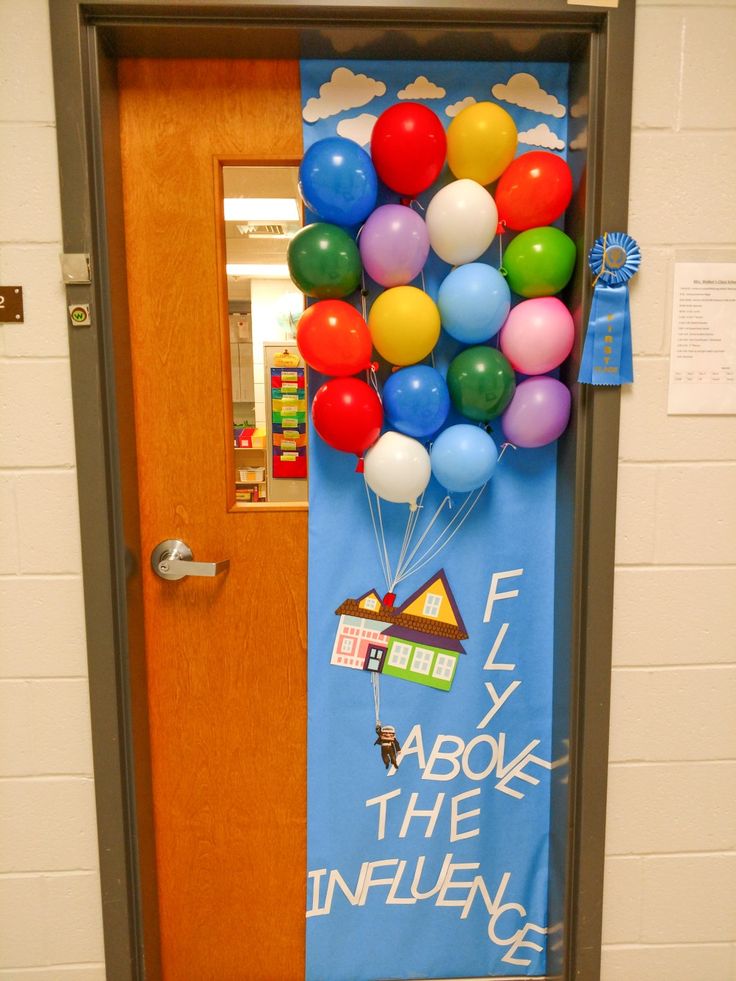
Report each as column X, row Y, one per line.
column 87, row 37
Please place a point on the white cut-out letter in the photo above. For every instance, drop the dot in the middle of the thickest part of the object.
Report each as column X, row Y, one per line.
column 497, row 700
column 493, row 593
column 456, row 817
column 412, row 812
column 490, row 664
column 437, row 754
column 382, row 808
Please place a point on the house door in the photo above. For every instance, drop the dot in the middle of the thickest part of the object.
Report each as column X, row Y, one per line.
column 374, row 660
column 226, row 655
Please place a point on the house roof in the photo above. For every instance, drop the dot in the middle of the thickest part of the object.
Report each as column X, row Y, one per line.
column 445, row 640
column 426, row 626
column 422, row 589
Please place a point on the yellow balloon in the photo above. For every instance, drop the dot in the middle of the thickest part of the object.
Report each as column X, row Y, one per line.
column 404, row 324
column 481, row 142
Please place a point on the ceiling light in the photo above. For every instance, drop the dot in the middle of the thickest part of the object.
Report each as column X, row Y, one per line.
column 261, row 209
column 258, row 270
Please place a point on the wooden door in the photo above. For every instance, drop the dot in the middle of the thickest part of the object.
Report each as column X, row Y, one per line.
column 226, row 657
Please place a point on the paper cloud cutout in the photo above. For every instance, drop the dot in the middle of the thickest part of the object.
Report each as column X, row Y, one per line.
column 421, row 88
column 542, row 135
column 580, row 142
column 345, row 90
column 524, row 90
column 580, row 107
column 357, row 128
column 457, row 107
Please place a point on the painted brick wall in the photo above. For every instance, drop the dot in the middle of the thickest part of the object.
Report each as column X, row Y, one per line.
column 50, row 920
column 670, row 884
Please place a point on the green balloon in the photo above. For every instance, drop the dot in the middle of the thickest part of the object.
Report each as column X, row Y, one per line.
column 324, row 261
column 481, row 383
column 539, row 262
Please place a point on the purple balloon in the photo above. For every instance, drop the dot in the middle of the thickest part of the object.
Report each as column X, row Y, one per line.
column 538, row 413
column 394, row 245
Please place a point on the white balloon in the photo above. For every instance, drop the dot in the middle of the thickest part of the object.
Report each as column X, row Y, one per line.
column 397, row 468
column 461, row 219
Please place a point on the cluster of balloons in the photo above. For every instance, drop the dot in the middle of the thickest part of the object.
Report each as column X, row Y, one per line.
column 339, row 183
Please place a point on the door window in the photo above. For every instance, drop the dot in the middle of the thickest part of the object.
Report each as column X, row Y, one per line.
column 262, row 213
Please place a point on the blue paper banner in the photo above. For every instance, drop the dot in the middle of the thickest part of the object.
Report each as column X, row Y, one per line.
column 437, row 869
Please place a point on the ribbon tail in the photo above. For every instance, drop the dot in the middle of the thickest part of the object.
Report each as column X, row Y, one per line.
column 627, row 360
column 607, row 358
column 585, row 375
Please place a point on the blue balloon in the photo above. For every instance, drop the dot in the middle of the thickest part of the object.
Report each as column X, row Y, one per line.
column 463, row 458
column 416, row 401
column 337, row 181
column 474, row 301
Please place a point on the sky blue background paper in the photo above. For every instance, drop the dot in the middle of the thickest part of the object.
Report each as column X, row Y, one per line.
column 513, row 527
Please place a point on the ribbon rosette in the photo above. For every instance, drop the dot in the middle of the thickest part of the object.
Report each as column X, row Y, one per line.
column 607, row 354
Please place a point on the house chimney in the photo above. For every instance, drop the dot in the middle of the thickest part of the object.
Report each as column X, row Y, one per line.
column 389, row 599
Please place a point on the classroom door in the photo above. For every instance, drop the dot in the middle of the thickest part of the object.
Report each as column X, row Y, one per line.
column 226, row 656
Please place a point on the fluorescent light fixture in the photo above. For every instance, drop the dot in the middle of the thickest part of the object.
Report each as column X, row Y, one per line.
column 258, row 270
column 264, row 210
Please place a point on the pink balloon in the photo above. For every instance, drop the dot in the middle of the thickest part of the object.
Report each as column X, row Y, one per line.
column 394, row 245
column 538, row 413
column 538, row 335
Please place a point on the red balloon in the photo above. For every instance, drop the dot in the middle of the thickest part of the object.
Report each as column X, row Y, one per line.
column 333, row 338
column 408, row 147
column 347, row 414
column 534, row 190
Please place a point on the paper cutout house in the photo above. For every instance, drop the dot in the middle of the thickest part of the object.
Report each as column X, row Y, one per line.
column 418, row 641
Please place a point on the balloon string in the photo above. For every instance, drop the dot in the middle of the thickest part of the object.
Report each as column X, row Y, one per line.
column 404, row 545
column 389, row 577
column 437, row 543
column 363, row 296
column 373, row 380
column 411, row 525
column 375, row 533
column 458, row 521
column 414, row 202
column 500, row 252
column 402, row 572
column 376, row 685
column 504, row 447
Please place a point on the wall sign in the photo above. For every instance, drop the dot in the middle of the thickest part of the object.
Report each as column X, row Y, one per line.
column 429, row 704
column 703, row 344
column 11, row 304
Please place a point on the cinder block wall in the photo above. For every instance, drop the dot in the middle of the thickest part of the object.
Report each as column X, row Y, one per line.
column 670, row 910
column 50, row 917
column 670, row 886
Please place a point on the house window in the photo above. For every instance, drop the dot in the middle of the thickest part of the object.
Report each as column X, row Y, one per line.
column 347, row 645
column 399, row 656
column 432, row 605
column 370, row 603
column 444, row 667
column 422, row 660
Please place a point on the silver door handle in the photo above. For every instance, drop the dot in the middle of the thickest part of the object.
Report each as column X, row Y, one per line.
column 173, row 560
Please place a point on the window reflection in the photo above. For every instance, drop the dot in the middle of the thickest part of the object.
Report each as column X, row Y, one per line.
column 262, row 213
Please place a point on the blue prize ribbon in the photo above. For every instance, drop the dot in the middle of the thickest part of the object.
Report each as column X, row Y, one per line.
column 607, row 353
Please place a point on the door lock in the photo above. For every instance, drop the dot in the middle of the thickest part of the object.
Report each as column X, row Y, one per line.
column 173, row 560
